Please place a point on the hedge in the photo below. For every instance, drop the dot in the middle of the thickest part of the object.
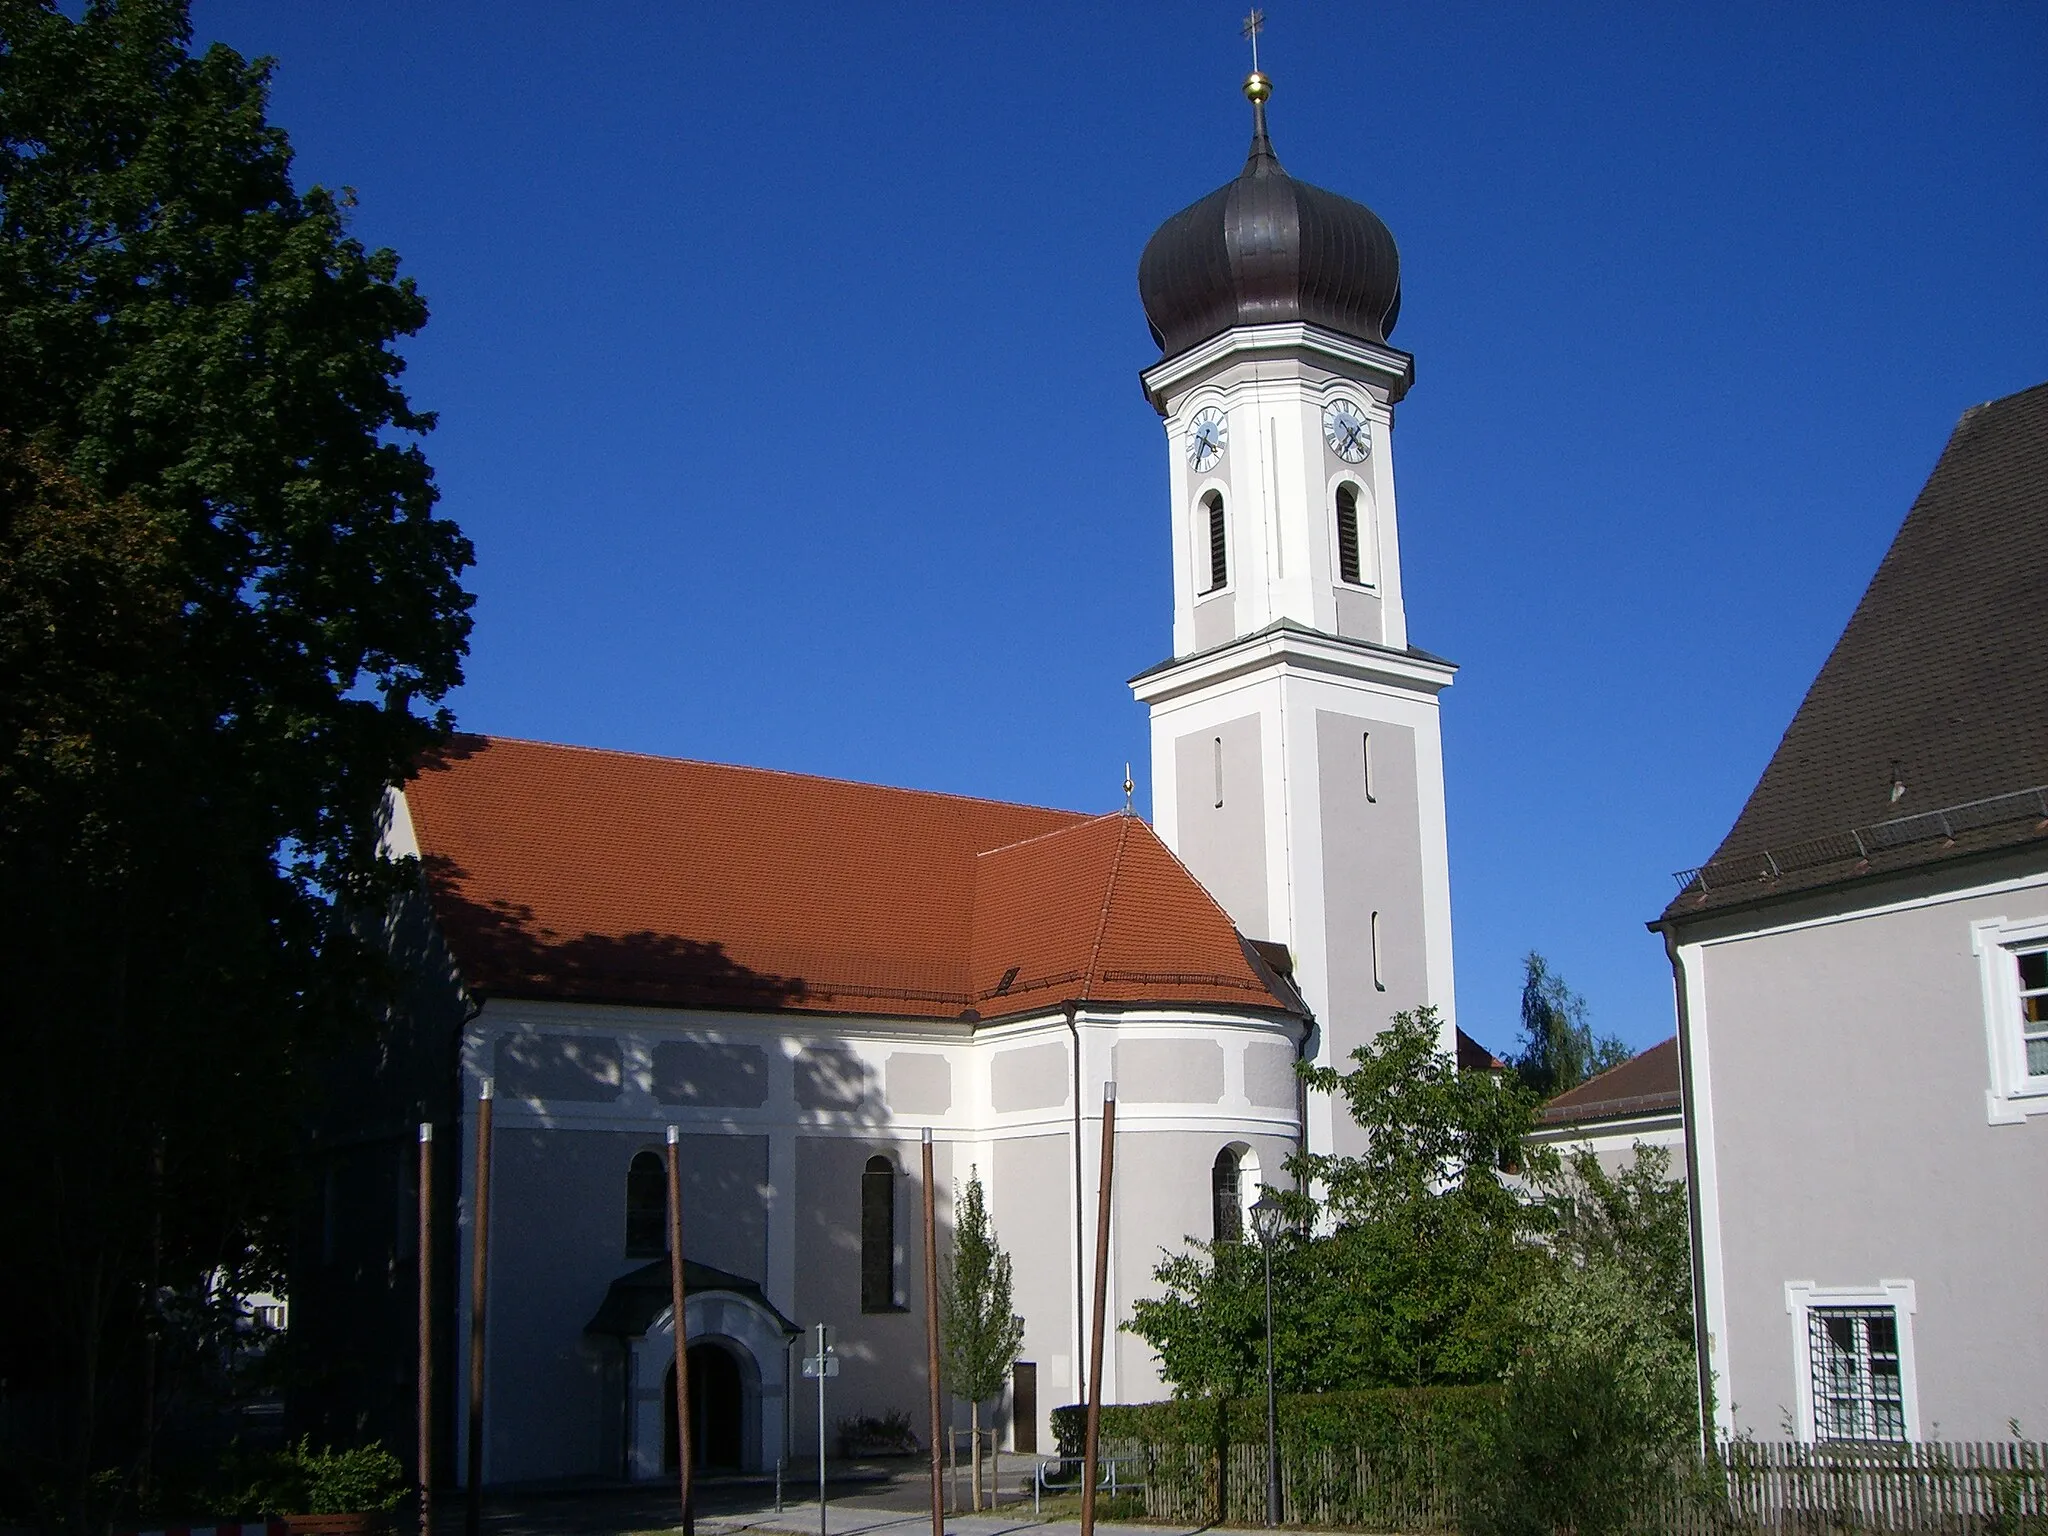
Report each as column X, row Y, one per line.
column 1382, row 1419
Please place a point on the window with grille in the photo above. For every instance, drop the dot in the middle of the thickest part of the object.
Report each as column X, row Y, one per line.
column 2033, row 969
column 1219, row 547
column 1348, row 567
column 1227, row 1213
column 1858, row 1390
column 878, row 1236
column 646, row 1207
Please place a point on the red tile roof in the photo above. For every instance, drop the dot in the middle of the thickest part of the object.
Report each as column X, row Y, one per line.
column 1647, row 1083
column 565, row 872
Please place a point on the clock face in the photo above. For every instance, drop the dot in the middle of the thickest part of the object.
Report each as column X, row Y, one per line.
column 1208, row 436
column 1344, row 429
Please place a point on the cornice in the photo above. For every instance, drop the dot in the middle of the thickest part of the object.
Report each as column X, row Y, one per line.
column 1395, row 368
column 1297, row 649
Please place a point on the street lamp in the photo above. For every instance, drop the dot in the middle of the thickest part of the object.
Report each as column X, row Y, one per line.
column 1266, row 1221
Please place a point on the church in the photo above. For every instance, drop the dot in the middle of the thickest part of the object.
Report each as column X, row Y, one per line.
column 804, row 975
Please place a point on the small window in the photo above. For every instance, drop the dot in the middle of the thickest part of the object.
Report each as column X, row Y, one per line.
column 878, row 1236
column 1219, row 772
column 1365, row 762
column 646, row 1207
column 1219, row 548
column 1348, row 568
column 1226, row 1207
column 2033, row 977
column 1858, row 1387
column 2012, row 959
column 1379, row 976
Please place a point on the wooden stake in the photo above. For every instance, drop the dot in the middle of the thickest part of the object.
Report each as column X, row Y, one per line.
column 931, row 1332
column 479, row 1269
column 685, row 1460
column 423, row 1462
column 1094, row 1439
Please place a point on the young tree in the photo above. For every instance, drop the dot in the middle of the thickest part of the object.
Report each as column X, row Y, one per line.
column 230, row 616
column 980, row 1333
column 1559, row 1049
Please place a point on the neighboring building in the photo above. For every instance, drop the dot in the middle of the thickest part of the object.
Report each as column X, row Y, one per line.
column 802, row 975
column 1862, row 977
column 1636, row 1103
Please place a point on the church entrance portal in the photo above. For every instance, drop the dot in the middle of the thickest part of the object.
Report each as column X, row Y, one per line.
column 717, row 1406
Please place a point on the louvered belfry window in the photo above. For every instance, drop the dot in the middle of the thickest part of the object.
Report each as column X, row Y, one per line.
column 1347, row 535
column 878, row 1236
column 1219, row 549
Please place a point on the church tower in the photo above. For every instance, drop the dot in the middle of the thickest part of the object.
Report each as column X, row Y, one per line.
column 1297, row 765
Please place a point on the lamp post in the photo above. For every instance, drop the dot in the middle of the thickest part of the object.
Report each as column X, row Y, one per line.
column 1266, row 1220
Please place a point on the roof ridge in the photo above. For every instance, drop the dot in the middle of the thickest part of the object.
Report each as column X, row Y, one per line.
column 784, row 773
column 1038, row 837
column 1116, row 864
column 1207, row 895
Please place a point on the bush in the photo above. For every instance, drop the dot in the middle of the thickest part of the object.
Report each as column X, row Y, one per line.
column 302, row 1481
column 1382, row 1419
column 1568, row 1449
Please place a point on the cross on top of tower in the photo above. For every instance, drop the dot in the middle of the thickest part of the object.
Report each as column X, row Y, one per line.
column 1254, row 24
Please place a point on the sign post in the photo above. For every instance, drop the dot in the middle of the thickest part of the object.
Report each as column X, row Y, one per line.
column 818, row 1366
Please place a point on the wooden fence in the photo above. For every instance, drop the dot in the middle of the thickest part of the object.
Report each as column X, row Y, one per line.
column 1979, row 1489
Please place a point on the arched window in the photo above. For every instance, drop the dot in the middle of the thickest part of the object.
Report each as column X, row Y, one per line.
column 1226, row 1199
column 646, row 1207
column 1219, row 543
column 1349, row 566
column 878, row 1236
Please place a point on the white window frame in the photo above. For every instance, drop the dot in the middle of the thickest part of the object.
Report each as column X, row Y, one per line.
column 2013, row 1094
column 1803, row 1296
column 1368, row 532
column 1198, row 529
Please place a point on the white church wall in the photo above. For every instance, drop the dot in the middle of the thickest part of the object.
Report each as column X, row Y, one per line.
column 777, row 1126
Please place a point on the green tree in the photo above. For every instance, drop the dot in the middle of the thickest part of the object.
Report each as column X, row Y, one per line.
column 1602, row 1400
column 1559, row 1048
column 980, row 1333
column 230, row 617
column 1620, row 1287
column 1417, row 1250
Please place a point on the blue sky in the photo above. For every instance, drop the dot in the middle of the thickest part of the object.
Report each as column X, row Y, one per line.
column 786, row 359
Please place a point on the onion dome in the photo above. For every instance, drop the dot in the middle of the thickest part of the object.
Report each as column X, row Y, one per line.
column 1266, row 249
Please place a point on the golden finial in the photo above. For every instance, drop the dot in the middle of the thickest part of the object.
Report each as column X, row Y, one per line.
column 1256, row 86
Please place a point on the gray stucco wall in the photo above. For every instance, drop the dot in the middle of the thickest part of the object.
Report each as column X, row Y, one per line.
column 1225, row 845
column 1215, row 619
column 1372, row 862
column 1029, row 1077
column 883, row 1351
column 1031, row 1195
column 1358, row 614
column 1162, row 1199
column 1169, row 1071
column 558, row 1224
column 1848, row 1070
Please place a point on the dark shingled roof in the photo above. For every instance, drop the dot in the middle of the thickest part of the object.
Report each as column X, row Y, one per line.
column 1644, row 1084
column 1941, row 675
